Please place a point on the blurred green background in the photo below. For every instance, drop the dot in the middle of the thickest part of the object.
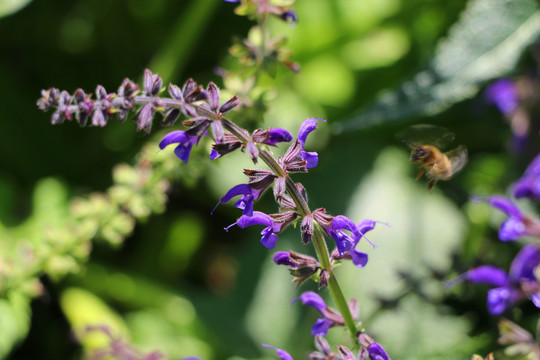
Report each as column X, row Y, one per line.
column 182, row 285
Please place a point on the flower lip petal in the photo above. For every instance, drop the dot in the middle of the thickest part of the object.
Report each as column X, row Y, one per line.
column 498, row 300
column 321, row 327
column 359, row 258
column 512, row 229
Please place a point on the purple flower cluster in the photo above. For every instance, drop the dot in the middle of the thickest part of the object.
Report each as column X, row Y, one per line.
column 521, row 281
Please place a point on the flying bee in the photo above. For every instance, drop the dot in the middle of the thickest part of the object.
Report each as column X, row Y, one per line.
column 425, row 142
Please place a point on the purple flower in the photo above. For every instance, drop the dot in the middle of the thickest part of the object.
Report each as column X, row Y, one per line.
column 307, row 127
column 517, row 224
column 282, row 354
column 503, row 93
column 509, row 288
column 529, row 184
column 269, row 237
column 184, row 141
column 246, row 201
column 336, row 230
column 330, row 317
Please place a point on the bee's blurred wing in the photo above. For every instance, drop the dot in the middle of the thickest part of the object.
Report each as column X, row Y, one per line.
column 458, row 157
column 424, row 134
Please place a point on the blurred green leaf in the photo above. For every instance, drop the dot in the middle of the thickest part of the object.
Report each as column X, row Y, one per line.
column 14, row 321
column 484, row 44
column 8, row 7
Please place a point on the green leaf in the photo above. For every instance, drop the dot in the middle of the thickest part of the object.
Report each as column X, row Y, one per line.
column 8, row 7
column 484, row 44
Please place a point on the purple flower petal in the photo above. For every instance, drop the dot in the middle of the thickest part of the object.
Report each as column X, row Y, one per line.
column 498, row 300
column 512, row 229
column 283, row 258
column 184, row 141
column 310, row 298
column 377, row 352
column 282, row 354
column 277, row 135
column 524, row 264
column 527, row 187
column 359, row 258
column 487, row 275
column 290, row 16
column 505, row 205
column 503, row 93
column 269, row 239
column 307, row 126
column 344, row 242
column 311, row 157
column 321, row 327
column 246, row 201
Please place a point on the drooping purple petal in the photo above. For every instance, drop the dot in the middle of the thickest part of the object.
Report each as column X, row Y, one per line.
column 310, row 298
column 503, row 93
column 321, row 327
column 307, row 127
column 282, row 354
column 487, row 275
column 359, row 258
column 268, row 239
column 498, row 300
column 377, row 352
column 311, row 157
column 512, row 229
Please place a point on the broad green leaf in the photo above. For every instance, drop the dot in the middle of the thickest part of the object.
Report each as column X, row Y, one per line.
column 8, row 7
column 484, row 44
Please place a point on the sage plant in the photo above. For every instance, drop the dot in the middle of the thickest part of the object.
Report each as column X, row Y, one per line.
column 204, row 115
